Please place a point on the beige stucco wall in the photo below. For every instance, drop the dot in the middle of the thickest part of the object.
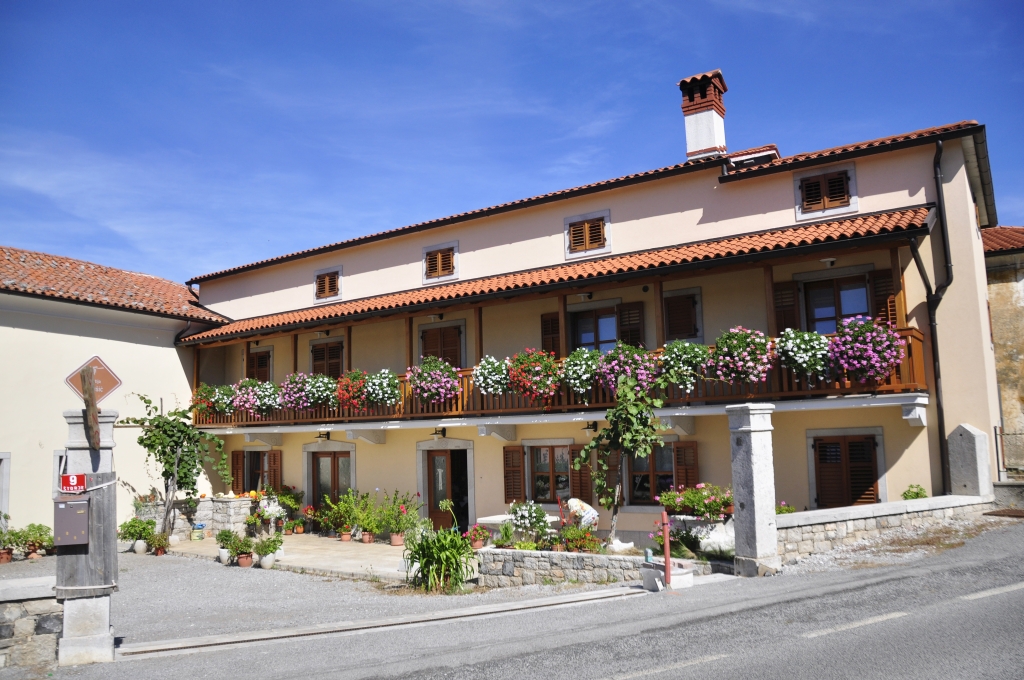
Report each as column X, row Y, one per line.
column 43, row 341
column 1006, row 298
column 656, row 214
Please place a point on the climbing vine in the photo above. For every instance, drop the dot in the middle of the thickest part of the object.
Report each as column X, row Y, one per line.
column 180, row 449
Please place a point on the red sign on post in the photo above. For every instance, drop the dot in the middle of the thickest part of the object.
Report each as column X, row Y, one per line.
column 105, row 380
column 72, row 483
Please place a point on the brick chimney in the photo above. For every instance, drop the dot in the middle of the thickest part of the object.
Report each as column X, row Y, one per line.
column 704, row 113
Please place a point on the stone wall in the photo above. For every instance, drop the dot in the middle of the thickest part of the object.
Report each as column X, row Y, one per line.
column 503, row 568
column 29, row 626
column 801, row 534
column 215, row 513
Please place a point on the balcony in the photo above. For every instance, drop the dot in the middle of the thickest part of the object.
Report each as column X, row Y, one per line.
column 781, row 385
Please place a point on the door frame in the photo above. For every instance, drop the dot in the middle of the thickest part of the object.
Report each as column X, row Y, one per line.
column 446, row 444
column 324, row 446
column 880, row 466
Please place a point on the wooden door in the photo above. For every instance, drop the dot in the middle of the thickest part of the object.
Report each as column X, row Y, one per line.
column 846, row 471
column 332, row 476
column 439, row 487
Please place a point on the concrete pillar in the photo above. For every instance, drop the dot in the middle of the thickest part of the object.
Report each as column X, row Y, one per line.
column 969, row 471
column 753, row 489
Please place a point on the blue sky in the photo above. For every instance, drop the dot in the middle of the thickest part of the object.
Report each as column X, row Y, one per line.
column 186, row 137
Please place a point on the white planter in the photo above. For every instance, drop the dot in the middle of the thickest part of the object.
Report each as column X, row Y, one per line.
column 225, row 555
column 140, row 547
column 173, row 540
column 267, row 561
column 280, row 552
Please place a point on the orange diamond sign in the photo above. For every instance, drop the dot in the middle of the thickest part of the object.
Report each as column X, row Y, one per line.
column 106, row 381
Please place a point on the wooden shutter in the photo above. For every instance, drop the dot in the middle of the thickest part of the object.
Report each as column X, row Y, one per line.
column 327, row 285
column 451, row 345
column 238, row 471
column 549, row 333
column 812, row 192
column 863, row 473
column 837, row 191
column 274, row 470
column 681, row 317
column 787, row 306
column 631, row 323
column 883, row 297
column 514, row 474
column 327, row 358
column 440, row 262
column 830, row 469
column 258, row 366
column 686, row 472
column 318, row 353
column 595, row 234
column 431, row 338
column 580, row 483
column 586, row 235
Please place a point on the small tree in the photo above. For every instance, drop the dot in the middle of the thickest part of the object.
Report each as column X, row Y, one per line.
column 180, row 449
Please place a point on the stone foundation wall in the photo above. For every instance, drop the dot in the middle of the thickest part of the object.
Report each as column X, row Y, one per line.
column 503, row 568
column 808, row 538
column 28, row 632
column 215, row 513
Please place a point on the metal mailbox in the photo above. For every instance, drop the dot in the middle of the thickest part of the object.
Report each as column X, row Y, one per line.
column 70, row 521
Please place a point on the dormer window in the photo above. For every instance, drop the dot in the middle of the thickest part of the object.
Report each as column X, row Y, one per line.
column 586, row 235
column 326, row 285
column 439, row 263
column 822, row 192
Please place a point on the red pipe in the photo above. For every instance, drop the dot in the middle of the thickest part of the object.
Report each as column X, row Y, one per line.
column 665, row 526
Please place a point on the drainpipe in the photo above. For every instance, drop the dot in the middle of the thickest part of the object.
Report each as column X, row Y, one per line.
column 934, row 298
column 182, row 332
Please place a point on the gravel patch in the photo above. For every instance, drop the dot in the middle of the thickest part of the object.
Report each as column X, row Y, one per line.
column 19, row 567
column 899, row 545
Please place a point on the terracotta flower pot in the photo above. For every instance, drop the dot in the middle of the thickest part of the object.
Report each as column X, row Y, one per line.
column 159, row 551
column 300, row 529
column 477, row 544
column 728, row 510
column 558, row 547
column 287, row 532
column 280, row 522
column 6, row 555
column 397, row 539
column 32, row 551
column 244, row 559
column 367, row 537
column 347, row 536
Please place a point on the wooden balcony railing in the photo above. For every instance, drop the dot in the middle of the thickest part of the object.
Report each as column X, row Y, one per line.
column 782, row 384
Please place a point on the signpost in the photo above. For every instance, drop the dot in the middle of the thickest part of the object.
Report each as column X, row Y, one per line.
column 104, row 380
column 72, row 483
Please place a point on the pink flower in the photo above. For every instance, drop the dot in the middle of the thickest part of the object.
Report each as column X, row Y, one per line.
column 700, row 486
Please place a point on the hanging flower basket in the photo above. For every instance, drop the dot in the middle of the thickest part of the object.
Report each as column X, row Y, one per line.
column 803, row 352
column 381, row 389
column 209, row 399
column 866, row 350
column 434, row 381
column 683, row 363
column 630, row 361
column 741, row 356
column 256, row 398
column 491, row 375
column 351, row 390
column 322, row 390
column 579, row 371
column 534, row 374
column 293, row 392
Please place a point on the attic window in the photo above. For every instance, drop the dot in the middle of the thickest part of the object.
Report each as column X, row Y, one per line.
column 822, row 192
column 440, row 263
column 326, row 285
column 586, row 235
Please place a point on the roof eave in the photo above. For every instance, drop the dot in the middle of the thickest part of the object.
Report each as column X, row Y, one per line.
column 119, row 308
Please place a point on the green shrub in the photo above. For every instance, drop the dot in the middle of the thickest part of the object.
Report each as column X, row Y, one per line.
column 506, row 535
column 579, row 539
column 783, row 509
column 268, row 545
column 159, row 541
column 682, row 543
column 914, row 491
column 399, row 513
column 525, row 545
column 224, row 538
column 240, row 545
column 35, row 537
column 137, row 529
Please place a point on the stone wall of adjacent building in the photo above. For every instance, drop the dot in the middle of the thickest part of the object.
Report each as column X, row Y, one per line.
column 800, row 535
column 28, row 632
column 503, row 568
column 215, row 513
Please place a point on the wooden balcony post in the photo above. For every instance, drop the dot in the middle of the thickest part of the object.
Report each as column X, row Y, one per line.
column 408, row 342
column 245, row 360
column 563, row 326
column 659, row 316
column 773, row 324
column 195, row 367
column 295, row 353
column 348, row 349
column 897, row 288
column 478, row 317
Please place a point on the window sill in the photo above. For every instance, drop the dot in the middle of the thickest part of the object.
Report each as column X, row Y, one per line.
column 641, row 509
column 801, row 216
column 588, row 253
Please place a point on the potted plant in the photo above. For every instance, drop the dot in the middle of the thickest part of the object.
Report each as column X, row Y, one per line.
column 351, row 391
column 9, row 539
column 682, row 363
column 742, row 356
column 288, row 527
column 159, row 543
column 708, row 501
column 491, row 375
column 579, row 539
column 434, row 381
column 310, row 514
column 534, row 374
column 674, row 501
column 34, row 538
column 266, row 548
column 345, row 532
column 369, row 520
column 399, row 514
column 381, row 389
column 477, row 535
column 137, row 532
column 579, row 371
column 627, row 361
column 256, row 398
column 224, row 539
column 241, row 550
column 865, row 350
column 805, row 353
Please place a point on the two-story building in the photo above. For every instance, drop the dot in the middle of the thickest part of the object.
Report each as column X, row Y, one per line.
column 888, row 228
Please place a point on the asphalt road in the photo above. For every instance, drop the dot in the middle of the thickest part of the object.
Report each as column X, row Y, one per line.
column 956, row 615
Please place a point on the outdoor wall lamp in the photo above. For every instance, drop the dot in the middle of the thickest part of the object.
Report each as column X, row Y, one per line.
column 829, row 261
column 324, row 435
column 441, row 432
column 591, row 426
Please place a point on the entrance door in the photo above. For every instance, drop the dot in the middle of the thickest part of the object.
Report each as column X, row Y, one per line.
column 846, row 469
column 447, row 478
column 332, row 476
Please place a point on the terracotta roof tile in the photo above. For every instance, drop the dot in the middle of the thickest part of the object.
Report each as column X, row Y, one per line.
column 1002, row 239
column 64, row 278
column 859, row 146
column 719, row 249
column 700, row 76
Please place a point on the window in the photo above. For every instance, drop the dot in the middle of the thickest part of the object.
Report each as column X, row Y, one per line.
column 445, row 343
column 549, row 469
column 254, row 470
column 673, row 464
column 601, row 328
column 325, row 358
column 846, row 471
column 828, row 302
column 259, row 365
column 440, row 263
column 550, row 335
column 681, row 314
column 326, row 285
column 586, row 235
column 332, row 476
column 823, row 192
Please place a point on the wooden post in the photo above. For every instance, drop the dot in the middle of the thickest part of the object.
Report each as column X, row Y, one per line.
column 348, row 349
column 245, row 360
column 563, row 326
column 897, row 288
column 195, row 367
column 769, row 300
column 659, row 316
column 295, row 353
column 92, row 413
column 408, row 342
column 478, row 317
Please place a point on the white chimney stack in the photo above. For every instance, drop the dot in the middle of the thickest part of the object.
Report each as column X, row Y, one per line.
column 704, row 113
